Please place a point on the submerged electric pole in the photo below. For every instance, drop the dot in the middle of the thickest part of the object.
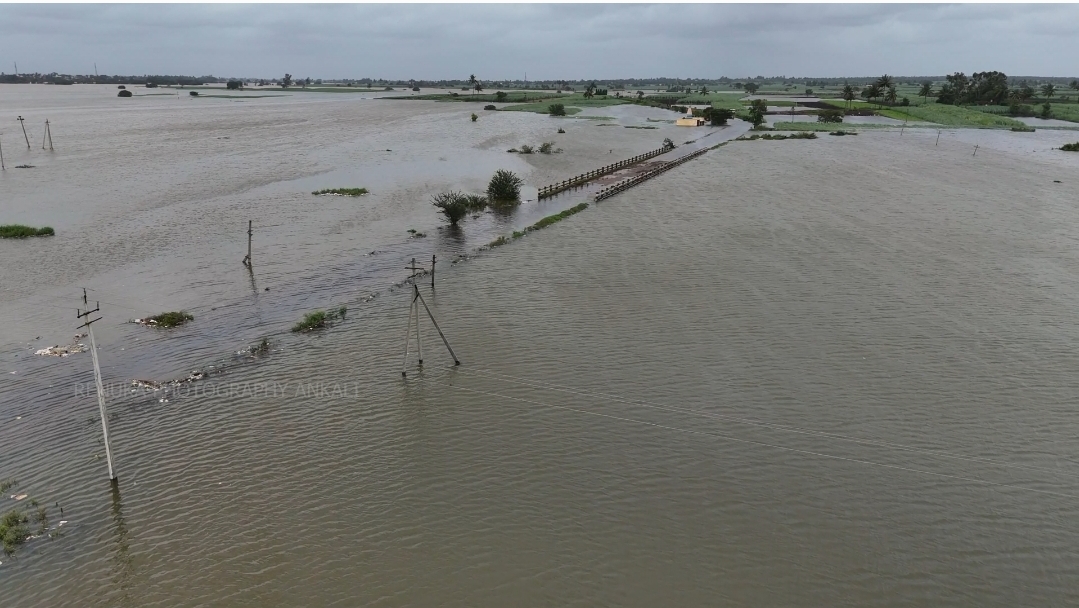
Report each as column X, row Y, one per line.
column 97, row 379
column 414, row 310
column 23, row 124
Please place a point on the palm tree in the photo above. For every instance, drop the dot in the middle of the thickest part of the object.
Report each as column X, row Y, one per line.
column 472, row 81
column 872, row 92
column 848, row 94
column 1048, row 90
column 477, row 87
column 890, row 95
column 884, row 82
column 926, row 91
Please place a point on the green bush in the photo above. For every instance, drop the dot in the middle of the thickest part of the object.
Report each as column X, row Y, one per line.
column 453, row 205
column 490, row 107
column 830, row 116
column 18, row 231
column 474, row 117
column 546, row 147
column 1070, row 147
column 556, row 109
column 504, row 187
column 527, row 149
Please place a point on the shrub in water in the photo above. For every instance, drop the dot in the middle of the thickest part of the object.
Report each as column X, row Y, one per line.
column 489, row 107
column 452, row 205
column 18, row 231
column 546, row 147
column 475, row 118
column 504, row 187
column 556, row 109
column 1070, row 147
column 527, row 149
column 475, row 202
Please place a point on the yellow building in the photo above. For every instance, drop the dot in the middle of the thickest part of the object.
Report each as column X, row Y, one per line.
column 689, row 120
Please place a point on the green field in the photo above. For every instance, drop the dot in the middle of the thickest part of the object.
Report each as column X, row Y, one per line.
column 951, row 116
column 941, row 114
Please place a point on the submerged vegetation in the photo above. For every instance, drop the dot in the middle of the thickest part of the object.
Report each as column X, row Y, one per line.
column 13, row 530
column 167, row 319
column 340, row 192
column 769, row 136
column 319, row 319
column 452, row 205
column 1070, row 147
column 18, row 231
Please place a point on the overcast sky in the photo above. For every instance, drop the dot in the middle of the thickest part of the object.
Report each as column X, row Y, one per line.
column 548, row 41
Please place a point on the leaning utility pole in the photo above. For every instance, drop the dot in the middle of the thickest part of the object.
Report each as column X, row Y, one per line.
column 97, row 379
column 21, row 119
column 414, row 309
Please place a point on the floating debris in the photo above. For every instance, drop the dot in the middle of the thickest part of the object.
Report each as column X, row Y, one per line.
column 24, row 166
column 62, row 351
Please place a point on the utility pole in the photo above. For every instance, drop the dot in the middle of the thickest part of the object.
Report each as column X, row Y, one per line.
column 414, row 309
column 247, row 259
column 432, row 271
column 97, row 378
column 48, row 134
column 2, row 167
column 21, row 119
column 975, row 151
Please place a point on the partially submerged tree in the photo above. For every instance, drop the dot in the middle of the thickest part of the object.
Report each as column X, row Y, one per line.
column 453, row 205
column 504, row 187
column 719, row 116
column 286, row 81
column 556, row 109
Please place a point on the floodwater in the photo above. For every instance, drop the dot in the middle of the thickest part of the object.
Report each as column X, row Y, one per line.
column 839, row 371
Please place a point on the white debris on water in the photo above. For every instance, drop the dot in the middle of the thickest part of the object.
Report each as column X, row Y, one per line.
column 76, row 346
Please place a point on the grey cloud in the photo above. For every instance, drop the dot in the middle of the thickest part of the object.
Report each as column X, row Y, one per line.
column 549, row 41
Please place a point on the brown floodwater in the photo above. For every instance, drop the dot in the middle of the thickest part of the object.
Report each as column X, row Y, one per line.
column 839, row 371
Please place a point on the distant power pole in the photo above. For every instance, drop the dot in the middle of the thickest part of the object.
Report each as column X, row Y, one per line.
column 97, row 378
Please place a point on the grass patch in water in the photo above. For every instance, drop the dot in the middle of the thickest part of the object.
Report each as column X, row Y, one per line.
column 1070, row 147
column 841, row 133
column 319, row 319
column 770, row 137
column 13, row 530
column 550, row 219
column 168, row 319
column 18, row 231
column 341, row 192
